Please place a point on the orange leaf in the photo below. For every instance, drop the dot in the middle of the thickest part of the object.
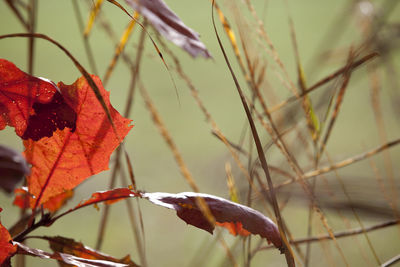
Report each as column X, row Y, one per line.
column 109, row 197
column 24, row 199
column 66, row 159
column 56, row 202
column 6, row 248
column 32, row 105
column 239, row 219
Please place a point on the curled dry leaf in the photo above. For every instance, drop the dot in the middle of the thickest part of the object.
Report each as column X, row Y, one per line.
column 238, row 219
column 69, row 246
column 168, row 24
column 13, row 167
column 67, row 158
column 66, row 258
column 7, row 249
column 32, row 105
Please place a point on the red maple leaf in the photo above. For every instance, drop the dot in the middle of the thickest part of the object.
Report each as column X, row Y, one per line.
column 68, row 157
column 6, row 248
column 31, row 105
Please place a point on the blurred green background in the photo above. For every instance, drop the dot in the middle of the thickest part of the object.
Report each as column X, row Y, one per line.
column 169, row 241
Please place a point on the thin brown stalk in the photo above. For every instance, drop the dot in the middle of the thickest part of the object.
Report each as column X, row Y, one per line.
column 333, row 34
column 271, row 128
column 286, row 246
column 106, row 210
column 338, row 105
column 308, row 191
column 228, row 252
column 271, row 46
column 127, row 111
column 281, row 208
column 120, row 47
column 387, row 160
column 305, row 187
column 232, row 39
column 325, row 80
column 209, row 118
column 230, row 182
column 174, row 149
column 106, row 26
column 92, row 16
column 348, row 198
column 309, row 229
column 347, row 161
column 382, row 187
column 237, row 147
column 247, row 249
column 88, row 48
column 276, row 141
column 306, row 101
column 32, row 12
column 17, row 13
column 140, row 244
column 247, row 154
column 346, row 222
column 341, row 234
column 160, row 55
column 168, row 139
column 203, row 251
column 343, row 163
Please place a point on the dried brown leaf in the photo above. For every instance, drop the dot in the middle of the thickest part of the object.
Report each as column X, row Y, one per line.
column 237, row 218
column 168, row 24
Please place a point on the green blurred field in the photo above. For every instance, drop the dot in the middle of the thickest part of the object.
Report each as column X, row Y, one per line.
column 169, row 241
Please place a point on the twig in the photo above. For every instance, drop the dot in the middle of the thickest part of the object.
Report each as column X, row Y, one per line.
column 339, row 234
column 323, row 81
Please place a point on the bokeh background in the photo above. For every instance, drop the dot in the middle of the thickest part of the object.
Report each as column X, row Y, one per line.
column 325, row 30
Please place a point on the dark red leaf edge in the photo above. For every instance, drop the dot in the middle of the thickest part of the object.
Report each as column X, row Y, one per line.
column 32, row 105
column 237, row 216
